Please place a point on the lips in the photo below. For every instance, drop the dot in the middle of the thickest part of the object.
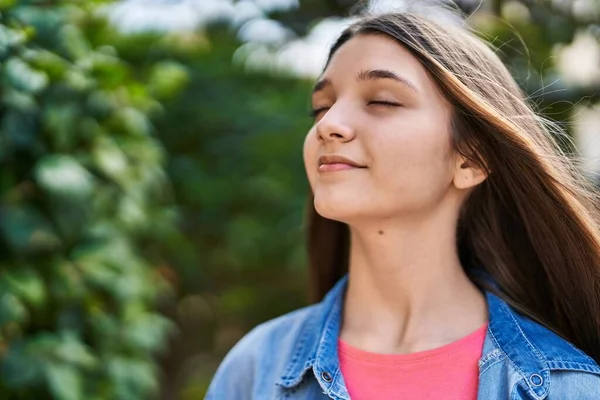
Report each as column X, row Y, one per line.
column 333, row 159
column 337, row 162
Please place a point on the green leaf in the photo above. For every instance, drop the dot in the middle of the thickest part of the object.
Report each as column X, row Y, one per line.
column 70, row 350
column 148, row 332
column 63, row 176
column 18, row 100
column 62, row 120
column 9, row 38
column 18, row 369
column 132, row 214
column 98, row 274
column 26, row 230
column 20, row 75
column 71, row 218
column 65, row 381
column 12, row 309
column 27, row 284
column 101, row 103
column 134, row 122
column 78, row 80
column 51, row 63
column 167, row 79
column 132, row 376
column 67, row 283
column 108, row 70
column 20, row 130
column 6, row 4
column 73, row 41
column 45, row 20
column 109, row 158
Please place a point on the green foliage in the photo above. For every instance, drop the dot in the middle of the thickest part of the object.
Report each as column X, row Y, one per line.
column 83, row 194
column 234, row 139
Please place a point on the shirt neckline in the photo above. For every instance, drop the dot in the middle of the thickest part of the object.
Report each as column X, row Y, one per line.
column 420, row 356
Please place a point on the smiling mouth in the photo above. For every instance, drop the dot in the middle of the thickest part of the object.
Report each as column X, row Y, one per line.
column 337, row 162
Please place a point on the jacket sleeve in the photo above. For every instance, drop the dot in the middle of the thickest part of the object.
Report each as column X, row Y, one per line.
column 253, row 366
column 234, row 378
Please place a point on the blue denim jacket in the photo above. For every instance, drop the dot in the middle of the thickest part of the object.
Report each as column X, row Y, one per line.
column 295, row 357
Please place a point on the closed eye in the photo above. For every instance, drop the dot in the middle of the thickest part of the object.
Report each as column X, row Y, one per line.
column 314, row 113
column 384, row 103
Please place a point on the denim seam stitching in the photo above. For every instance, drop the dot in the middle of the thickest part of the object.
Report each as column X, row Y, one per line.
column 523, row 377
column 535, row 349
column 581, row 366
column 326, row 334
column 287, row 379
column 513, row 392
column 334, row 381
column 490, row 364
column 506, row 355
column 489, row 356
column 537, row 353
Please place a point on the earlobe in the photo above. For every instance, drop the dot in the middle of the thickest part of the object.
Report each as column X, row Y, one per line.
column 467, row 175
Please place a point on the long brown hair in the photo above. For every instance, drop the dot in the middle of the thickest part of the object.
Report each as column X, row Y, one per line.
column 532, row 225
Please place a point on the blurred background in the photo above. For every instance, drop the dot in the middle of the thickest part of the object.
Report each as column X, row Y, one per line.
column 152, row 189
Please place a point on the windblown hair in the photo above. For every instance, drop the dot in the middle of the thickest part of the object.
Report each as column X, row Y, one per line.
column 532, row 225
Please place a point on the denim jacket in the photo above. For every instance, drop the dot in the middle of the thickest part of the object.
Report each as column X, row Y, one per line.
column 295, row 357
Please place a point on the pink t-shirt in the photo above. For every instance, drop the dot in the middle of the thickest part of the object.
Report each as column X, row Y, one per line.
column 449, row 372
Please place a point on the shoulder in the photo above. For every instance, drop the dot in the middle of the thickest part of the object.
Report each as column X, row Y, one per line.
column 530, row 342
column 559, row 353
column 572, row 373
column 266, row 348
column 542, row 362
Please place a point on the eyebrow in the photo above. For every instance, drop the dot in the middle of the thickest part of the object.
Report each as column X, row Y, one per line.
column 369, row 75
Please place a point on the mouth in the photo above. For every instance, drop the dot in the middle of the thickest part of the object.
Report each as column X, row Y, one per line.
column 336, row 162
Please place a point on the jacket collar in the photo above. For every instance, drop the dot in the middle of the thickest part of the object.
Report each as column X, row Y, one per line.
column 531, row 348
column 316, row 347
column 508, row 336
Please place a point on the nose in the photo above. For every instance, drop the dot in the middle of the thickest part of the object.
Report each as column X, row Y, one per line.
column 334, row 126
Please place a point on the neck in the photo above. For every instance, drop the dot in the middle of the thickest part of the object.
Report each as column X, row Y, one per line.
column 407, row 290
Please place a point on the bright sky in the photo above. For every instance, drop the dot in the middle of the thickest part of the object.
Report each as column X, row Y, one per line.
column 301, row 56
column 173, row 15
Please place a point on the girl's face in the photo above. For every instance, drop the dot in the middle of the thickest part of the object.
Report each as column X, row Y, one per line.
column 376, row 105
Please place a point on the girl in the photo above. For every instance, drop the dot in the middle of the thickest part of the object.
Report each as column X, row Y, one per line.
column 454, row 250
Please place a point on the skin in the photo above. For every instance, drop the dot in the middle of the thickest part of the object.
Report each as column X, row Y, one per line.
column 407, row 291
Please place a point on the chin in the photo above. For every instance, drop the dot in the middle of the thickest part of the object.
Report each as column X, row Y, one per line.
column 341, row 210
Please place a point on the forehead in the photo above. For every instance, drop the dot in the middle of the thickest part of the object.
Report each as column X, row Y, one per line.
column 370, row 51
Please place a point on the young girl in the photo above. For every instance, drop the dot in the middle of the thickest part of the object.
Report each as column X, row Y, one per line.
column 454, row 250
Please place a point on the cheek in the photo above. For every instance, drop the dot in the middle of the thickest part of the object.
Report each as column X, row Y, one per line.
column 310, row 150
column 417, row 157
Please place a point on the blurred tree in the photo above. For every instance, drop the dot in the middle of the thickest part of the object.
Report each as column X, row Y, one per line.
column 234, row 138
column 526, row 35
column 308, row 12
column 83, row 195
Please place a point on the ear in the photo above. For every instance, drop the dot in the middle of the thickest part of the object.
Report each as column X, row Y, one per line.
column 466, row 174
